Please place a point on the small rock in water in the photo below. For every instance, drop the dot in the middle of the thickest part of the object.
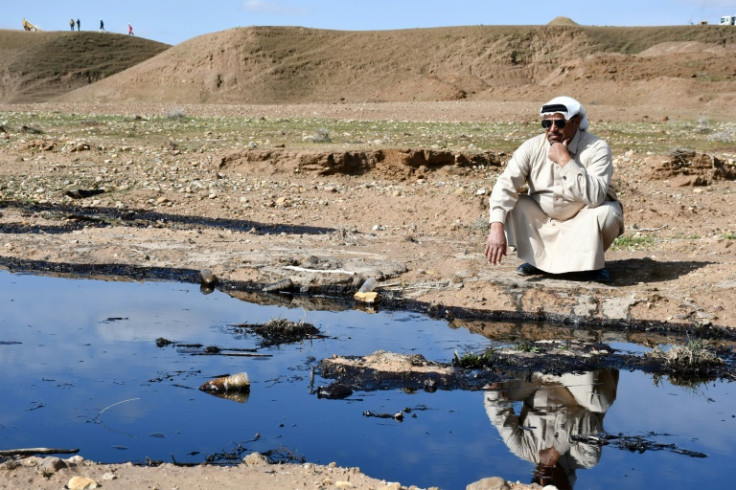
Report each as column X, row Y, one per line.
column 207, row 277
column 334, row 391
column 224, row 384
column 368, row 298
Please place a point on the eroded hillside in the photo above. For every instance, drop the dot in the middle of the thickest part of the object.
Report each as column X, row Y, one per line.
column 665, row 67
column 36, row 66
column 276, row 65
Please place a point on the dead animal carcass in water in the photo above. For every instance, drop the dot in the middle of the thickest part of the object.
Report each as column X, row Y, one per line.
column 235, row 387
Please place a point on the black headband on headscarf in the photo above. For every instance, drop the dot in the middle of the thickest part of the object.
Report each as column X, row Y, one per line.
column 552, row 108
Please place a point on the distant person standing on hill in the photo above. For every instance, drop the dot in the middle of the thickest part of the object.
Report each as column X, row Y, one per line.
column 130, row 30
column 71, row 24
column 79, row 25
column 102, row 26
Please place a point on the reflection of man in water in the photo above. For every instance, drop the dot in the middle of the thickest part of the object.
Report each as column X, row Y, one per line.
column 553, row 409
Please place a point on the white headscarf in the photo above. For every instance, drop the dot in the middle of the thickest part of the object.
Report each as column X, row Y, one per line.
column 568, row 107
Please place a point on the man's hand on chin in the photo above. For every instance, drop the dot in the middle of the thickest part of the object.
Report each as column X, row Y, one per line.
column 559, row 153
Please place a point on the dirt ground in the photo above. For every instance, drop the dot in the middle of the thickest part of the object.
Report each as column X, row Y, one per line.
column 53, row 473
column 308, row 221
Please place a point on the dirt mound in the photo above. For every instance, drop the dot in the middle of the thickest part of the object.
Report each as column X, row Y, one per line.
column 389, row 163
column 562, row 21
column 690, row 168
column 280, row 65
column 35, row 66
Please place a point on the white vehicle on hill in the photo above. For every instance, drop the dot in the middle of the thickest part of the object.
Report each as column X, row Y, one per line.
column 728, row 20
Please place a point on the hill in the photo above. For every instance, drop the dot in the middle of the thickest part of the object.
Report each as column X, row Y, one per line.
column 295, row 65
column 690, row 65
column 36, row 66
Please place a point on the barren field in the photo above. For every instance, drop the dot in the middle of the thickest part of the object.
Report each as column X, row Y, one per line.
column 266, row 193
column 325, row 198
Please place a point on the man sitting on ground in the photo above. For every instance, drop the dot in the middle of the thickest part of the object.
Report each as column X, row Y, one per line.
column 569, row 215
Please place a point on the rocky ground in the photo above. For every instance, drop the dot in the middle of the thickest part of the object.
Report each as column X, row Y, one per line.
column 306, row 218
column 75, row 473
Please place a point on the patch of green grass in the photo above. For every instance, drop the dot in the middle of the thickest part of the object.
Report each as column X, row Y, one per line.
column 694, row 353
column 528, row 347
column 294, row 133
column 474, row 361
column 216, row 132
column 729, row 236
column 701, row 135
column 639, row 242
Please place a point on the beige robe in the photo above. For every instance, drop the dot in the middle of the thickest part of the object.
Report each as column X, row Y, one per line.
column 553, row 409
column 570, row 215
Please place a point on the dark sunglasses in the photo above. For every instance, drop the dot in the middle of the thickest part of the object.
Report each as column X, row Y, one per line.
column 547, row 123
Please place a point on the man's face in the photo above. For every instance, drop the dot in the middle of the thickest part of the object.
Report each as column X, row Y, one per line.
column 557, row 135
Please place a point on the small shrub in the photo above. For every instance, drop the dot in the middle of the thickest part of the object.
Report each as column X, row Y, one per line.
column 690, row 356
column 626, row 242
column 528, row 347
column 322, row 135
column 703, row 126
column 474, row 361
column 281, row 331
column 176, row 114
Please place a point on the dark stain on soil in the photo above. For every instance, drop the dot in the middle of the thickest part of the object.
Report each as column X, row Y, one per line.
column 77, row 217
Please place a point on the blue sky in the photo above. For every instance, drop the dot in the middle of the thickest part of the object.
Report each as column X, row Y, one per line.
column 174, row 21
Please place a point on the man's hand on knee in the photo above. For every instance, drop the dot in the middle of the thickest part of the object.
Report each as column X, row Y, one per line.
column 496, row 244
